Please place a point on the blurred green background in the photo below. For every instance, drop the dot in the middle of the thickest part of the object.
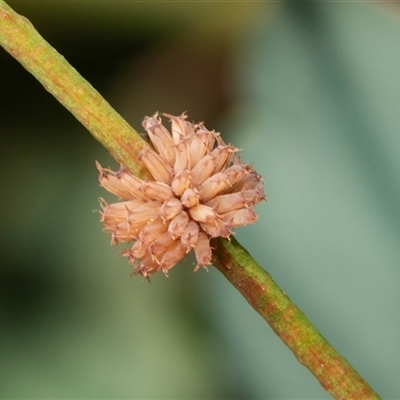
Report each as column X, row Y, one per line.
column 311, row 92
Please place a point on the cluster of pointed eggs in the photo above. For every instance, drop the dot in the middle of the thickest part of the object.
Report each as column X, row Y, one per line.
column 200, row 191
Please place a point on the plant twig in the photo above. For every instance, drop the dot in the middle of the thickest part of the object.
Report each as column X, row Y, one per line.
column 51, row 69
column 23, row 42
column 334, row 373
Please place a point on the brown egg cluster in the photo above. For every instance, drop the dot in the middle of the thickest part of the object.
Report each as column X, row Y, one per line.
column 200, row 191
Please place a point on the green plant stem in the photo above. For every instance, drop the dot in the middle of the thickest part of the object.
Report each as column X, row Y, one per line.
column 334, row 373
column 23, row 42
column 51, row 69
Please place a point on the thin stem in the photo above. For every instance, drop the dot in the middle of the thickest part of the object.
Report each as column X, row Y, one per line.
column 23, row 42
column 51, row 69
column 334, row 373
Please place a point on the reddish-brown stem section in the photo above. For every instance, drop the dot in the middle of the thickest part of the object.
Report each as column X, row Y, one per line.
column 334, row 373
column 23, row 42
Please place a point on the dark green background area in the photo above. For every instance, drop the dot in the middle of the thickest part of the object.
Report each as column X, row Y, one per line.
column 311, row 92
